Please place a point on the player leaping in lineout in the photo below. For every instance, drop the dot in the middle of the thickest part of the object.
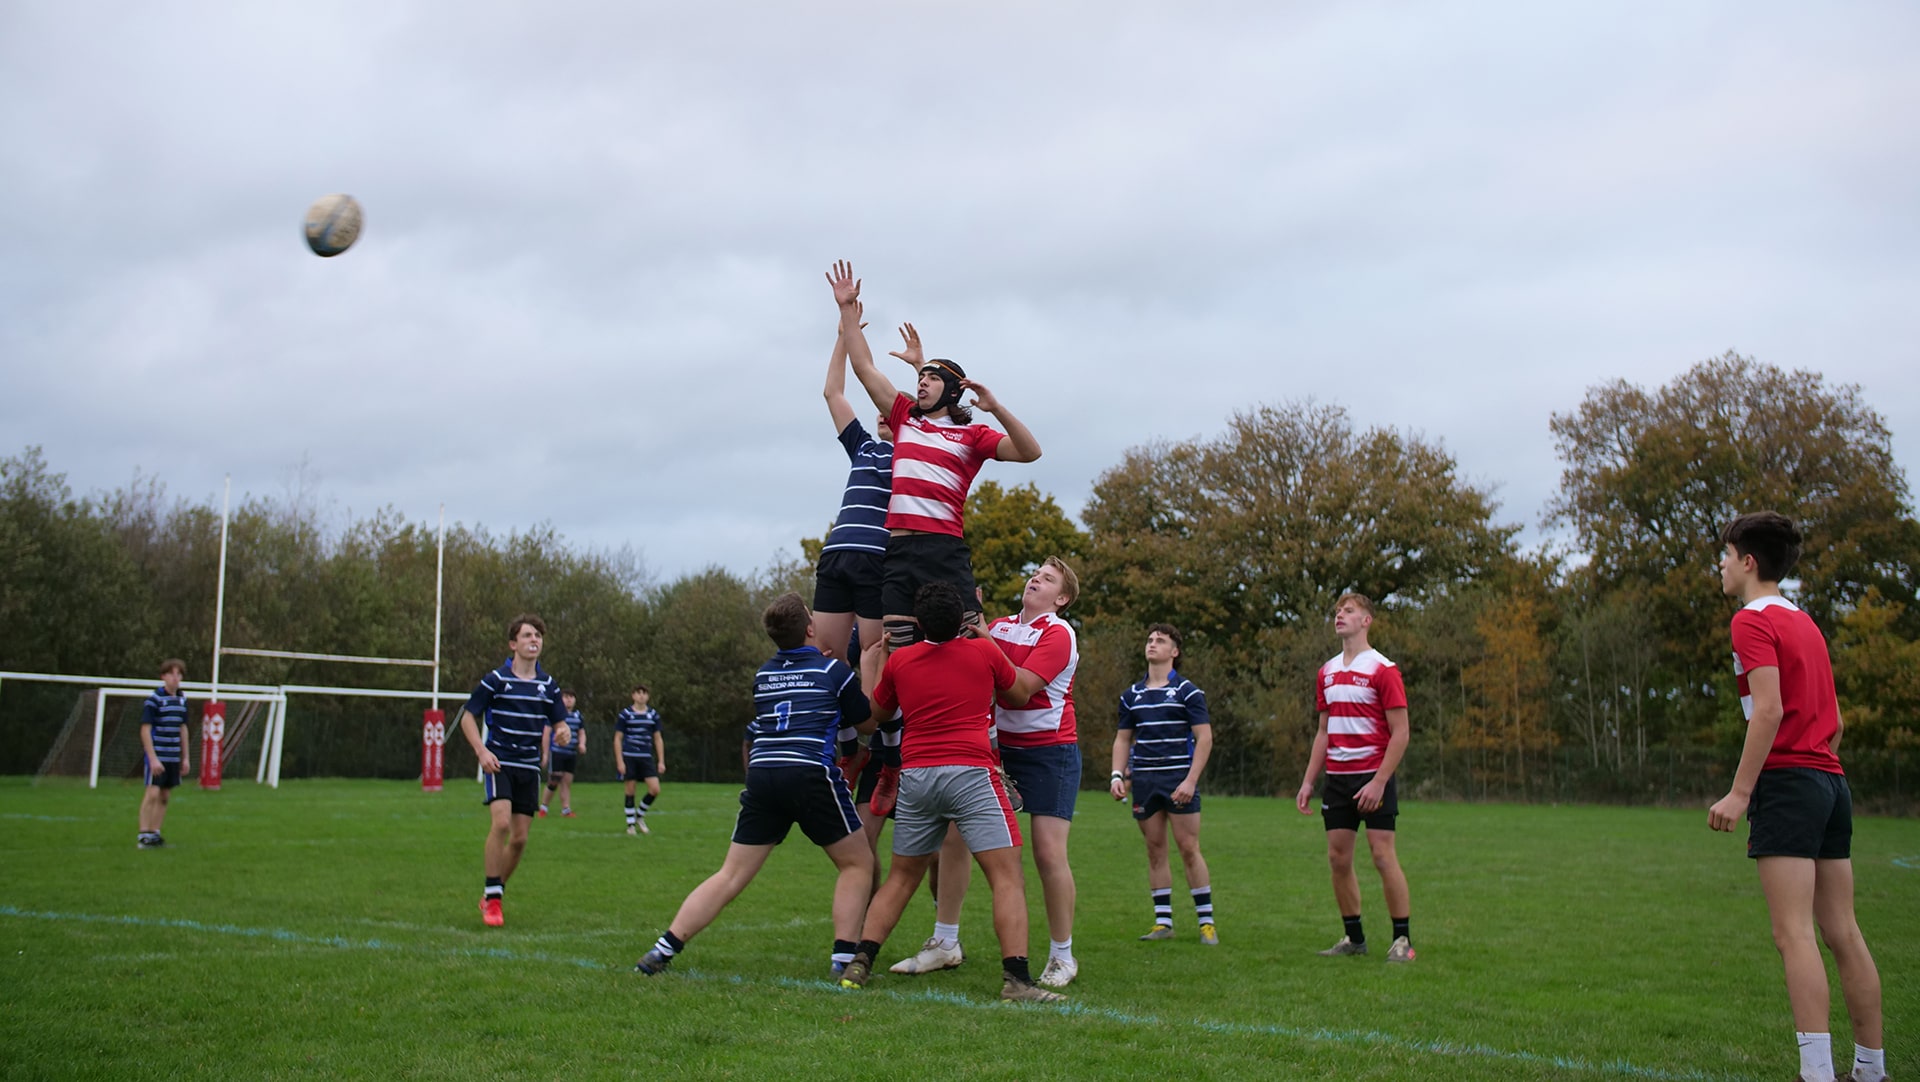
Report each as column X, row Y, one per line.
column 937, row 451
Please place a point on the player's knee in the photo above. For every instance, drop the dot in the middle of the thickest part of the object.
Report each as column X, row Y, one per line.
column 902, row 633
column 1341, row 862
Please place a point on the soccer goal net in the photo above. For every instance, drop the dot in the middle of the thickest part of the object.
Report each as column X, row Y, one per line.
column 100, row 738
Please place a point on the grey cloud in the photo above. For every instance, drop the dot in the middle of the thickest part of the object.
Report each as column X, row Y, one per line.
column 590, row 289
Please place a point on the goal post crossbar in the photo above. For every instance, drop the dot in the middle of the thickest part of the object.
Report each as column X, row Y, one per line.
column 295, row 655
column 148, row 682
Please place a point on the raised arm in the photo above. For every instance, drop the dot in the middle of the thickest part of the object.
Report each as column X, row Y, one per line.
column 836, row 389
column 1019, row 446
column 911, row 353
column 846, row 294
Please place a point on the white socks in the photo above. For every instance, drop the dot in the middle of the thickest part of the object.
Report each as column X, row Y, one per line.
column 1869, row 1064
column 1816, row 1056
column 1061, row 949
column 947, row 935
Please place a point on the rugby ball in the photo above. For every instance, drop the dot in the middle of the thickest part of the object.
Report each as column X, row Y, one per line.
column 333, row 224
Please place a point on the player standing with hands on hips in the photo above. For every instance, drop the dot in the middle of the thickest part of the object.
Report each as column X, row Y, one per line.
column 1791, row 789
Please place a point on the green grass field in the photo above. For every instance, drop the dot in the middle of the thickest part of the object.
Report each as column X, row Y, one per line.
column 328, row 930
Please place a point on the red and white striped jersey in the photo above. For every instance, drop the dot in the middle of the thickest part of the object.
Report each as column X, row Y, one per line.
column 934, row 463
column 1047, row 648
column 1356, row 697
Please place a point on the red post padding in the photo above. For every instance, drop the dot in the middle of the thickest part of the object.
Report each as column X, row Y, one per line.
column 213, row 729
column 433, row 743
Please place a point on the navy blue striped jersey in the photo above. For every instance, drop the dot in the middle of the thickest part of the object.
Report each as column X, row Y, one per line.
column 635, row 728
column 1162, row 720
column 516, row 711
column 804, row 704
column 579, row 727
column 861, row 525
column 167, row 716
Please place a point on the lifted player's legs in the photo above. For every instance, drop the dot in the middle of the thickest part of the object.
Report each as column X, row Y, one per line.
column 834, row 632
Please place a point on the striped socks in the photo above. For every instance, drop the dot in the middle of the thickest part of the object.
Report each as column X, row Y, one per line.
column 1202, row 903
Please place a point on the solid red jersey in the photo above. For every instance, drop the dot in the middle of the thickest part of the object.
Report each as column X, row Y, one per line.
column 1356, row 697
column 934, row 463
column 1772, row 632
column 1047, row 648
column 944, row 691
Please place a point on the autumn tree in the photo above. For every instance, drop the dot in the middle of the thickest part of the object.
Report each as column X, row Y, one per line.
column 1507, row 718
column 1245, row 540
column 1651, row 477
column 1271, row 521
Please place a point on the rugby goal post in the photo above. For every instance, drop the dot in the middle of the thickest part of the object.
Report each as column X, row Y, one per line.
column 433, row 727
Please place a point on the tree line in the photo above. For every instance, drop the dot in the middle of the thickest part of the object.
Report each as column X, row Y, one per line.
column 1595, row 668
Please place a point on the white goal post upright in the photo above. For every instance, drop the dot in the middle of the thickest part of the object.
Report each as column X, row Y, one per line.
column 220, row 591
column 439, row 594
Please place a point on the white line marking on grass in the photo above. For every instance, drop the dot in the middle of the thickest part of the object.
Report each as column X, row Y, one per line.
column 1317, row 1035
column 1910, row 863
column 44, row 818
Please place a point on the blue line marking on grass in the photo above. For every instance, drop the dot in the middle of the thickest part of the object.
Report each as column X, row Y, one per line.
column 281, row 935
column 1316, row 1035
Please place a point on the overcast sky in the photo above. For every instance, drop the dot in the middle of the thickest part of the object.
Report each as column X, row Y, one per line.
column 590, row 287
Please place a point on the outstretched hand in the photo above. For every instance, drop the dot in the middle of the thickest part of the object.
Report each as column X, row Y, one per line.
column 982, row 398
column 846, row 288
column 912, row 354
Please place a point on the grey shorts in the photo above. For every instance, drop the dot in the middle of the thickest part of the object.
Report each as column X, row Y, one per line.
column 970, row 797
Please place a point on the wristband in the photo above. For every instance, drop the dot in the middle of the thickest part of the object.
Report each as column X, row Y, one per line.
column 1117, row 776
